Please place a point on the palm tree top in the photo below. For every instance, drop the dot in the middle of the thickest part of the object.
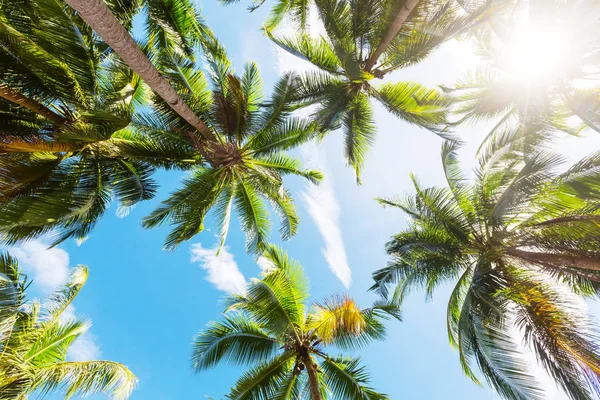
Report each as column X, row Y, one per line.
column 354, row 30
column 358, row 50
column 69, row 98
column 519, row 243
column 272, row 329
column 65, row 158
column 246, row 164
column 35, row 339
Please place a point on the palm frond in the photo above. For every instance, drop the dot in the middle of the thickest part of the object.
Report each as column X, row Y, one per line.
column 253, row 215
column 85, row 378
column 415, row 104
column 359, row 131
column 188, row 206
column 345, row 378
column 237, row 340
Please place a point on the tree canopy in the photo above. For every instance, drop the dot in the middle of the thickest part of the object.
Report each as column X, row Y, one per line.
column 285, row 342
column 520, row 244
column 89, row 114
column 35, row 339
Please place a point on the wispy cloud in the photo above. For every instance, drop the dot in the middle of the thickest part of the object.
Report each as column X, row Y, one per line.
column 320, row 200
column 85, row 348
column 265, row 264
column 49, row 269
column 324, row 209
column 222, row 270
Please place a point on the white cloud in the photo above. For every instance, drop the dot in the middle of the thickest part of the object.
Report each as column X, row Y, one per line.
column 68, row 314
column 265, row 264
column 320, row 200
column 324, row 209
column 48, row 268
column 222, row 270
column 84, row 348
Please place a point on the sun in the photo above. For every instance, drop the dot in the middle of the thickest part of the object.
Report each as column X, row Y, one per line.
column 538, row 54
column 548, row 44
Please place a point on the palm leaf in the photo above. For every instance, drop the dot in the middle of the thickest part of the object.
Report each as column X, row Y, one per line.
column 345, row 378
column 237, row 339
column 84, row 378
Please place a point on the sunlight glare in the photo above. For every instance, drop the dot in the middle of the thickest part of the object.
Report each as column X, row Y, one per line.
column 538, row 54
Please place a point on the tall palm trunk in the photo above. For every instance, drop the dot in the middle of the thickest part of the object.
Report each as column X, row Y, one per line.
column 22, row 100
column 102, row 20
column 313, row 379
column 393, row 30
column 579, row 262
column 584, row 274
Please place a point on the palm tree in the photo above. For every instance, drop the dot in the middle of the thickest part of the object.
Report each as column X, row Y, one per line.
column 521, row 244
column 563, row 87
column 248, row 166
column 270, row 328
column 99, row 16
column 367, row 40
column 64, row 158
column 66, row 140
column 34, row 347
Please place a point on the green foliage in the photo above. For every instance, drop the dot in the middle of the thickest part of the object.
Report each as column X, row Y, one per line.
column 35, row 339
column 244, row 170
column 346, row 377
column 79, row 129
column 271, row 329
column 103, row 135
column 520, row 243
column 343, row 87
column 174, row 28
column 60, row 176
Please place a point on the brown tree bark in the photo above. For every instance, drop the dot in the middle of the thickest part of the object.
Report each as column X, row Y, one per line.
column 584, row 274
column 313, row 379
column 24, row 101
column 102, row 20
column 580, row 262
column 393, row 30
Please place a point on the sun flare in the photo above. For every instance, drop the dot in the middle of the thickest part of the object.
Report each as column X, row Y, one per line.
column 538, row 54
column 546, row 47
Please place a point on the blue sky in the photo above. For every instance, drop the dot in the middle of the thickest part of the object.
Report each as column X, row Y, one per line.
column 146, row 304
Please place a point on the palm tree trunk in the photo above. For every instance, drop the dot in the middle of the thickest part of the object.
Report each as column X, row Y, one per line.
column 38, row 108
column 393, row 30
column 578, row 272
column 579, row 262
column 313, row 379
column 102, row 20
